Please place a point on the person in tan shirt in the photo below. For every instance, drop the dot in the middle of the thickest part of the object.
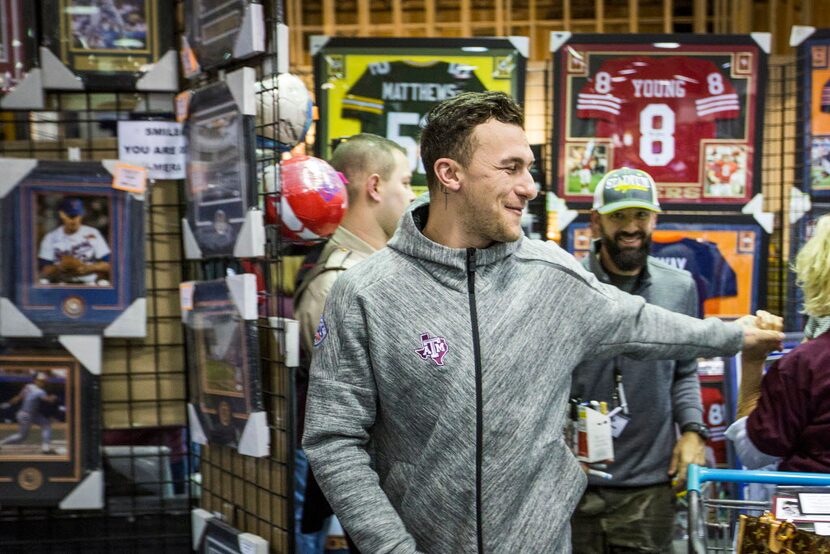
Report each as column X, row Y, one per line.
column 378, row 183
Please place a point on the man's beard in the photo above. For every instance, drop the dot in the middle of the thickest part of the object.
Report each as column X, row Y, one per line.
column 627, row 259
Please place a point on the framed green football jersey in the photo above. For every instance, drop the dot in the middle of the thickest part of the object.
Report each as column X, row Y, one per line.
column 386, row 86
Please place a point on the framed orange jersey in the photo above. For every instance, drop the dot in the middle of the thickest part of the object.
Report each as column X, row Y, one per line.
column 726, row 260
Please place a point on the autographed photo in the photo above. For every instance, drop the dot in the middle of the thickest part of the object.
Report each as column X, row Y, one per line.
column 73, row 256
column 814, row 58
column 48, row 417
column 685, row 110
column 725, row 260
column 108, row 43
column 220, row 169
column 385, row 86
column 213, row 29
column 223, row 360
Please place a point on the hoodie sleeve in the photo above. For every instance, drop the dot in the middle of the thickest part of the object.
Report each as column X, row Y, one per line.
column 648, row 332
column 340, row 411
column 685, row 392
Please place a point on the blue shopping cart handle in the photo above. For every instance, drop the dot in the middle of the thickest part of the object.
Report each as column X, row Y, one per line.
column 697, row 475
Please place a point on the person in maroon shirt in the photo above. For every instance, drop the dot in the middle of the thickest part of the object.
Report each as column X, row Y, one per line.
column 785, row 416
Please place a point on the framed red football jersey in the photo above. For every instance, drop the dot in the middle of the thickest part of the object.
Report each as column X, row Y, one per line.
column 685, row 109
column 813, row 154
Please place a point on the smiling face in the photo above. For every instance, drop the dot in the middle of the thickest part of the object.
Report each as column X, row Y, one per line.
column 496, row 185
column 626, row 238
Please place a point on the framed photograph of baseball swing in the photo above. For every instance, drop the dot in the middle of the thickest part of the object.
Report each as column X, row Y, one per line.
column 225, row 408
column 221, row 173
column 725, row 257
column 20, row 81
column 49, row 421
column 385, row 86
column 108, row 45
column 687, row 109
column 217, row 32
column 813, row 56
column 71, row 251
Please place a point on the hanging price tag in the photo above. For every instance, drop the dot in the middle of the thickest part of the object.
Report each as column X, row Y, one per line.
column 131, row 178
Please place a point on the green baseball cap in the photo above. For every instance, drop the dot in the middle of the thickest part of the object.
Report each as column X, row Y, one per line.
column 626, row 188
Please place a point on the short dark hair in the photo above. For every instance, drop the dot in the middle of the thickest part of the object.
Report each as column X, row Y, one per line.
column 450, row 124
column 365, row 152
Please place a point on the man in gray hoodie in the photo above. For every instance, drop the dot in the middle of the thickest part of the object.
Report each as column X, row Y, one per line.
column 442, row 363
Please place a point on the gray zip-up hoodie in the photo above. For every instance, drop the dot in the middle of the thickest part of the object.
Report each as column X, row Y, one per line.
column 439, row 388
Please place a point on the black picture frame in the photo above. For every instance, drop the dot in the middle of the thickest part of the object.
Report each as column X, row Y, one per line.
column 221, row 171
column 108, row 45
column 222, row 343
column 354, row 80
column 813, row 55
column 17, row 42
column 221, row 32
column 693, row 119
column 40, row 293
column 38, row 473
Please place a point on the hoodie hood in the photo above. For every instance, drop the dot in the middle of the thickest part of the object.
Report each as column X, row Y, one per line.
column 411, row 241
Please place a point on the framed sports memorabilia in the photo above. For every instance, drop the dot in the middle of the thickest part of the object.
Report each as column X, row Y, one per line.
column 220, row 319
column 814, row 104
column 17, row 52
column 108, row 45
column 385, row 86
column 214, row 536
column 715, row 395
column 49, row 438
column 71, row 251
column 221, row 173
column 726, row 260
column 687, row 109
column 220, row 31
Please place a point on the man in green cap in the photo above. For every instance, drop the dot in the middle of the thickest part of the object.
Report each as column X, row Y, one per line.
column 652, row 399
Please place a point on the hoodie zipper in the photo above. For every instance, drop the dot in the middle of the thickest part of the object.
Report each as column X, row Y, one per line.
column 471, row 294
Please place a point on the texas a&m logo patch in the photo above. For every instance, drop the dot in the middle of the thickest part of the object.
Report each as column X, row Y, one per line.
column 434, row 348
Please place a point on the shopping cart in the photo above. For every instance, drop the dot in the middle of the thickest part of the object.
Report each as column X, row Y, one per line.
column 712, row 522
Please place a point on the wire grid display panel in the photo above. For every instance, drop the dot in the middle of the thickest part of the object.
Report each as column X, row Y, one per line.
column 779, row 173
column 142, row 380
column 255, row 494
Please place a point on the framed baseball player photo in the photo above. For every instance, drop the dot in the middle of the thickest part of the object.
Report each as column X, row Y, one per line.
column 814, row 105
column 108, row 45
column 386, row 86
column 219, row 32
column 72, row 251
column 726, row 257
column 687, row 109
column 49, row 439
column 221, row 177
column 220, row 319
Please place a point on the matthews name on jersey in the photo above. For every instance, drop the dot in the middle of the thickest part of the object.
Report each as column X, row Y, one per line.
column 657, row 110
column 391, row 98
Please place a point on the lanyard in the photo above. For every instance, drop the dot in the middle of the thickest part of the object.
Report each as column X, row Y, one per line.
column 618, row 396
